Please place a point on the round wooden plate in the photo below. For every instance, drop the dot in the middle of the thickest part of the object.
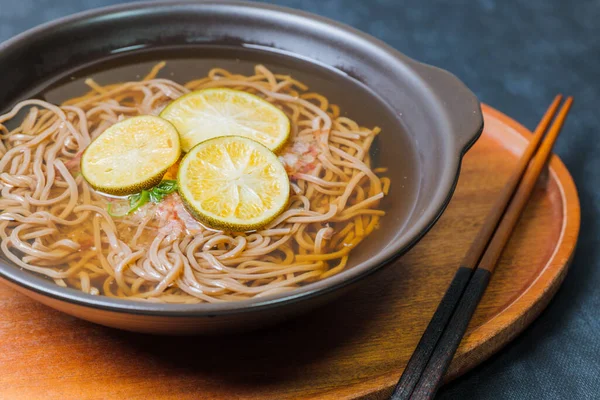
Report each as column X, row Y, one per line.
column 355, row 347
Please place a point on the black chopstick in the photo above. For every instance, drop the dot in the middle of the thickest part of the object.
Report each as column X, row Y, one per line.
column 442, row 315
column 424, row 371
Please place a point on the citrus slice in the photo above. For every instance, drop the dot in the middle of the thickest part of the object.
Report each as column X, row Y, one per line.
column 209, row 113
column 233, row 183
column 131, row 155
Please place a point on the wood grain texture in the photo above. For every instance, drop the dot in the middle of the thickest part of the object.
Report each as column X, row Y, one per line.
column 354, row 347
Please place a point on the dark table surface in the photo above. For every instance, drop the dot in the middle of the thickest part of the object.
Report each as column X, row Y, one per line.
column 516, row 55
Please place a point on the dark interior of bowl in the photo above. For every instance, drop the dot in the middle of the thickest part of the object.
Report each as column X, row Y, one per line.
column 372, row 85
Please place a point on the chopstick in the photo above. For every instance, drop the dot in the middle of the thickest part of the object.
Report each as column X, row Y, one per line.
column 442, row 315
column 432, row 356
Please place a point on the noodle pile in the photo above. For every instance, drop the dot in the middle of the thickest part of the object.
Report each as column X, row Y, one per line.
column 54, row 224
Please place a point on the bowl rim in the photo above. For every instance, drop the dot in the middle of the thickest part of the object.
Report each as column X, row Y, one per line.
column 29, row 281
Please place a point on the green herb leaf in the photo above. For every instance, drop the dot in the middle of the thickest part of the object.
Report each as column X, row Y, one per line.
column 166, row 187
column 137, row 200
column 162, row 190
column 155, row 195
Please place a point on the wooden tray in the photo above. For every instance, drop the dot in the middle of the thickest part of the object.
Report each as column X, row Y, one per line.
column 355, row 347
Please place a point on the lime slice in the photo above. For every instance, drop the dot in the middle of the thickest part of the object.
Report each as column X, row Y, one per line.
column 233, row 183
column 209, row 113
column 131, row 155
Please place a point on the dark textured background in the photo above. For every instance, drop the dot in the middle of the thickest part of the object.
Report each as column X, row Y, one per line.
column 516, row 55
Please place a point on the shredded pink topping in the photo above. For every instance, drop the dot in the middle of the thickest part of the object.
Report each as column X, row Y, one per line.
column 301, row 154
column 174, row 218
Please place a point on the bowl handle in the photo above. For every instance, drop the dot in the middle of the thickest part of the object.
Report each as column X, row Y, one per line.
column 460, row 103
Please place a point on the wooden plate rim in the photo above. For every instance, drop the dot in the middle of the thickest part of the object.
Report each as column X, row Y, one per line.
column 518, row 314
column 522, row 311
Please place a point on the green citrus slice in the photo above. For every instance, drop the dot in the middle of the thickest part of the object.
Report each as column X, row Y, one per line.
column 131, row 155
column 209, row 113
column 233, row 183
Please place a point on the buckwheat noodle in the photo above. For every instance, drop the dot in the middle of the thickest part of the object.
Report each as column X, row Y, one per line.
column 53, row 224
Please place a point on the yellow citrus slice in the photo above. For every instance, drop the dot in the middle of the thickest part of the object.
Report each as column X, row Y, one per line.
column 209, row 113
column 233, row 183
column 131, row 155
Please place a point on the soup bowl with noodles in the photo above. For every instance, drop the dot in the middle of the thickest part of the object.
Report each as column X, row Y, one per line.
column 210, row 167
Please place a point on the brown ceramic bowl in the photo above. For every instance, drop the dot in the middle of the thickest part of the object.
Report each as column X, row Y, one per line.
column 429, row 119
